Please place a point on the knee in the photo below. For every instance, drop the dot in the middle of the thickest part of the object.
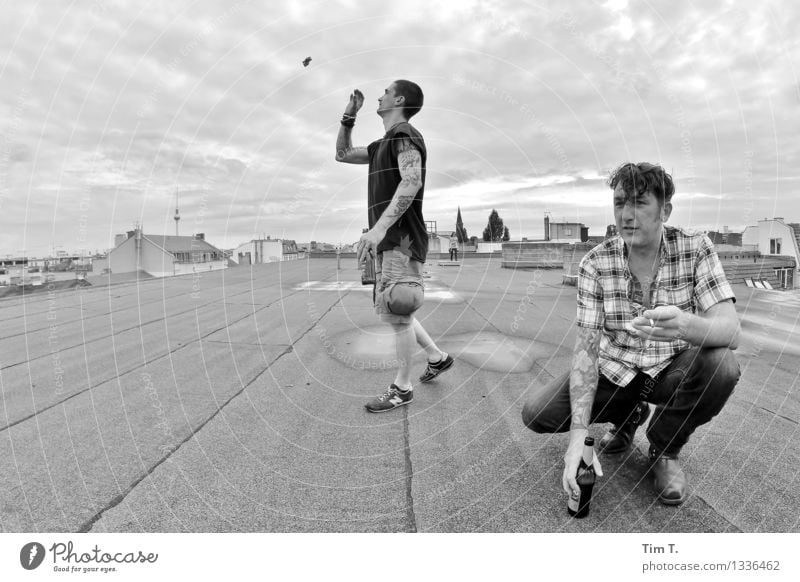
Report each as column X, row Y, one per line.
column 722, row 364
column 721, row 371
column 534, row 418
column 548, row 410
column 530, row 415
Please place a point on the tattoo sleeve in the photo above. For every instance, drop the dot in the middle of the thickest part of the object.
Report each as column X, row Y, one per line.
column 345, row 152
column 409, row 163
column 584, row 376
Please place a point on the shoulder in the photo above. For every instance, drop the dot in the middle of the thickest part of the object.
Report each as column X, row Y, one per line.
column 407, row 134
column 605, row 252
column 610, row 245
column 682, row 240
column 405, row 128
column 678, row 232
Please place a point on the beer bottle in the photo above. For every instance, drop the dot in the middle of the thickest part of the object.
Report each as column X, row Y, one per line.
column 368, row 270
column 585, row 477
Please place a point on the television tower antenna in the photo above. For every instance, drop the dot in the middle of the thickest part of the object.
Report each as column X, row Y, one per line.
column 177, row 214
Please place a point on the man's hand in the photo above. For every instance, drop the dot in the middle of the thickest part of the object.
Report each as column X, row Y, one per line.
column 369, row 242
column 345, row 152
column 661, row 324
column 356, row 101
column 572, row 460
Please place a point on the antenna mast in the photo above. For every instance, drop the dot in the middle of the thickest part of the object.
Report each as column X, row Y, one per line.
column 177, row 213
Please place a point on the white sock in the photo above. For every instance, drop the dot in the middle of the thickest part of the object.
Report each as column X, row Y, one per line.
column 442, row 357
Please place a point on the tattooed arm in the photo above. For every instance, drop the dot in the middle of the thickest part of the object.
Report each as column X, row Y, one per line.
column 345, row 152
column 409, row 163
column 584, row 376
column 582, row 389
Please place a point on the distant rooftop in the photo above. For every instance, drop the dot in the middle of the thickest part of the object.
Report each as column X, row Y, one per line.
column 174, row 244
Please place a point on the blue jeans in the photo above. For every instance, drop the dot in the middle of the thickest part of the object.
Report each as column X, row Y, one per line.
column 687, row 394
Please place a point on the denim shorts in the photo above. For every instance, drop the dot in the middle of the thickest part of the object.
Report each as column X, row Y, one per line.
column 399, row 290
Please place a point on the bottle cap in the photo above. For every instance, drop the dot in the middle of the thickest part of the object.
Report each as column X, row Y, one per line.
column 589, row 441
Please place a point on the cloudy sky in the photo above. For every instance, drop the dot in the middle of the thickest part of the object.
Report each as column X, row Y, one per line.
column 107, row 109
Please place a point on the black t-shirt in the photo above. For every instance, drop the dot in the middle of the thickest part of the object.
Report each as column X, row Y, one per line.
column 409, row 234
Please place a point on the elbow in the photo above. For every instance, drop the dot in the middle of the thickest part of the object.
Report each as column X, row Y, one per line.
column 341, row 155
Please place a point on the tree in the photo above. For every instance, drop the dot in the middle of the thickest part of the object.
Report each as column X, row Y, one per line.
column 494, row 229
column 506, row 235
column 461, row 232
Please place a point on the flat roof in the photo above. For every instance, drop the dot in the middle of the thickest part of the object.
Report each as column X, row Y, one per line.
column 233, row 401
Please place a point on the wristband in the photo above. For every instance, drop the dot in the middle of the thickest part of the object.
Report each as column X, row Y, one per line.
column 348, row 120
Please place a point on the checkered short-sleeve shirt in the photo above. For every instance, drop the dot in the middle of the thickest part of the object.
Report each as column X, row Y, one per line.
column 690, row 276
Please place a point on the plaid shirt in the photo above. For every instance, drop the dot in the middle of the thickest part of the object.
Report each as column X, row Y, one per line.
column 690, row 276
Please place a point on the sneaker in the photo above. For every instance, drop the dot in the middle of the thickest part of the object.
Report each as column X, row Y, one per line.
column 392, row 398
column 437, row 368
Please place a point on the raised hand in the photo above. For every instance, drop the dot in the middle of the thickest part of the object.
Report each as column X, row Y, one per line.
column 356, row 101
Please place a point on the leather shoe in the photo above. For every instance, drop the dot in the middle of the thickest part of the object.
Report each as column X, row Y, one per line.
column 619, row 439
column 668, row 478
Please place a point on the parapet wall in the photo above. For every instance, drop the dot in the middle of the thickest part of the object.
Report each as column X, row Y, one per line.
column 542, row 255
column 550, row 255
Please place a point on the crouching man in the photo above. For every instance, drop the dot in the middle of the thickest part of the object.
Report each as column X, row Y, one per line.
column 656, row 324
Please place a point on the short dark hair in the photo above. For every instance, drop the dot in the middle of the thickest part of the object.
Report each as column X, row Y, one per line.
column 643, row 177
column 413, row 95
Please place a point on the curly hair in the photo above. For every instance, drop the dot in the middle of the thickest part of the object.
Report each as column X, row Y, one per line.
column 643, row 177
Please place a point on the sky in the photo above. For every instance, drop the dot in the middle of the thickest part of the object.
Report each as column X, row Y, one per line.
column 109, row 111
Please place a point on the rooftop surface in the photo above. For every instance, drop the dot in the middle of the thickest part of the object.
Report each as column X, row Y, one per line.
column 232, row 401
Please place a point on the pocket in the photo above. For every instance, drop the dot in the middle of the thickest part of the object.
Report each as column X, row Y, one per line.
column 618, row 310
column 681, row 296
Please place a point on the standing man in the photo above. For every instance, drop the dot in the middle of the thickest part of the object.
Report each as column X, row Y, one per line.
column 453, row 247
column 397, row 235
column 656, row 323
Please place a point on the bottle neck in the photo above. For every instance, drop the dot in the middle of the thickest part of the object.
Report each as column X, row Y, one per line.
column 588, row 455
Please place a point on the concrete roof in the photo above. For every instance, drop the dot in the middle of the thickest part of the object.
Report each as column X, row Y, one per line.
column 232, row 401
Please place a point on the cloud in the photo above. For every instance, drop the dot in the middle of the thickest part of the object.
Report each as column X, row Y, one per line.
column 527, row 108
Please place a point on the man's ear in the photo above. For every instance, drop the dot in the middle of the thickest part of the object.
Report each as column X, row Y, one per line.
column 400, row 100
column 666, row 210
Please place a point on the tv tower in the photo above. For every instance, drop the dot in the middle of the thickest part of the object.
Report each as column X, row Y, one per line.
column 177, row 214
